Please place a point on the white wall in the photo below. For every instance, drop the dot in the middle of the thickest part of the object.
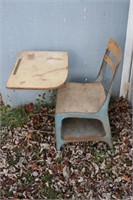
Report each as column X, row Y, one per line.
column 126, row 89
column 81, row 27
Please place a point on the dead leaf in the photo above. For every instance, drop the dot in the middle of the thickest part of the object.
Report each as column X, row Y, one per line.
column 34, row 166
column 65, row 172
column 103, row 165
column 15, row 198
column 29, row 135
column 35, row 173
column 29, row 108
column 96, row 167
column 80, row 179
column 127, row 178
column 122, row 104
column 44, row 146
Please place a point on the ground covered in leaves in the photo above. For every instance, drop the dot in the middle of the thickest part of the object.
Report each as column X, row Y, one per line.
column 31, row 168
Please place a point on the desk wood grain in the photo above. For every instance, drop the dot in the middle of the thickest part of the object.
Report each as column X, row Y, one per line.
column 39, row 70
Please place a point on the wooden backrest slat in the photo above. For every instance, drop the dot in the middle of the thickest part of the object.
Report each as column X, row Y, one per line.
column 115, row 49
column 110, row 62
column 112, row 58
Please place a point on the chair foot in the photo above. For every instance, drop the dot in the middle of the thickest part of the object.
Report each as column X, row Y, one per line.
column 108, row 137
column 58, row 125
column 59, row 144
column 109, row 142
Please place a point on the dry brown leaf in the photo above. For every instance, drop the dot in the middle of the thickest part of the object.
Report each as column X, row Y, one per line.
column 127, row 178
column 29, row 135
column 15, row 198
column 34, row 166
column 29, row 107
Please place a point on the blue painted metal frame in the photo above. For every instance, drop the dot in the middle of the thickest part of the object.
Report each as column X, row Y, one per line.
column 102, row 115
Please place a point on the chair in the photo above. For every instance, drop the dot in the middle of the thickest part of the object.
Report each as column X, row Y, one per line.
column 82, row 108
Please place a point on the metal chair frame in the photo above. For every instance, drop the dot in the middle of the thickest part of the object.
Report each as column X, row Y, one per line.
column 112, row 58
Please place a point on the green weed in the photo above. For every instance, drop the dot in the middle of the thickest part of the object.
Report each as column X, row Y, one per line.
column 46, row 178
column 13, row 160
column 13, row 117
column 7, row 192
column 112, row 100
column 40, row 102
column 48, row 191
column 52, row 101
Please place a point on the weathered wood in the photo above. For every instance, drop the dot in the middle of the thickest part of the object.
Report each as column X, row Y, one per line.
column 110, row 62
column 80, row 98
column 39, row 70
column 115, row 49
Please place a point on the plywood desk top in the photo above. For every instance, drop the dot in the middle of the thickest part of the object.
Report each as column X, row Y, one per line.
column 39, row 70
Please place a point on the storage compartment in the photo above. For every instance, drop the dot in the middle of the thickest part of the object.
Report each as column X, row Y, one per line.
column 79, row 129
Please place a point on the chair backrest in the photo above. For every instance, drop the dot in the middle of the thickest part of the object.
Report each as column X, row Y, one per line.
column 112, row 58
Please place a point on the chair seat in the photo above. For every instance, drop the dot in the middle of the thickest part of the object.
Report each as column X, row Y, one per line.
column 80, row 98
